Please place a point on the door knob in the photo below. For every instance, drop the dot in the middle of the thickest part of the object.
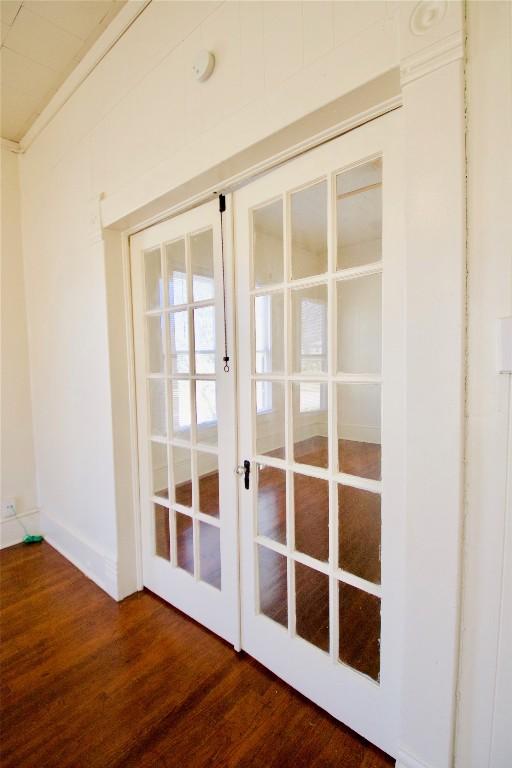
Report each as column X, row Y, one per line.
column 245, row 470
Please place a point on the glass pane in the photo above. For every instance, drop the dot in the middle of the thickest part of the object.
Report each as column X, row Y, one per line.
column 159, row 466
column 185, row 542
column 268, row 329
column 311, row 496
column 359, row 215
column 267, row 248
column 182, row 475
column 309, row 328
column 312, row 605
column 359, row 532
column 359, row 615
column 273, row 586
column 310, row 423
column 208, row 482
column 270, row 418
column 360, row 324
column 206, row 408
column 209, row 554
column 162, row 532
column 309, row 231
column 272, row 503
column 359, row 428
column 180, row 403
column 179, row 347
column 157, row 407
column 201, row 248
column 204, row 335
column 176, row 272
column 154, row 284
column 155, row 327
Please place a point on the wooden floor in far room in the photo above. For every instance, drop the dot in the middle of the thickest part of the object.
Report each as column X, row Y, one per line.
column 89, row 683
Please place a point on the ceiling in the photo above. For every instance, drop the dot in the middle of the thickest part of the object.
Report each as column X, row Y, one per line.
column 42, row 41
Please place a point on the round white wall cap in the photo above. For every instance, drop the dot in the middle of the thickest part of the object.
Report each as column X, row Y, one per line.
column 427, row 14
column 203, row 65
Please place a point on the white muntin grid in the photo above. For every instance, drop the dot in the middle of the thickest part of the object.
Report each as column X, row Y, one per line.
column 173, row 442
column 332, row 377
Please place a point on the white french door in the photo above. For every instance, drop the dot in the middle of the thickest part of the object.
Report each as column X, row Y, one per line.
column 320, row 280
column 318, row 597
column 186, row 417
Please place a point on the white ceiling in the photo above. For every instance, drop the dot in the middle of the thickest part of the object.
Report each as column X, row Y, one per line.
column 42, row 41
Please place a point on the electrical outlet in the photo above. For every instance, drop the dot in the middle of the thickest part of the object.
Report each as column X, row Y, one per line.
column 9, row 508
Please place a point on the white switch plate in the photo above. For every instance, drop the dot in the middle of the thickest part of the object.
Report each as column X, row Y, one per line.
column 504, row 345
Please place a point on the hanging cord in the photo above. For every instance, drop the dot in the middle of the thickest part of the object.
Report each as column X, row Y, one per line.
column 222, row 208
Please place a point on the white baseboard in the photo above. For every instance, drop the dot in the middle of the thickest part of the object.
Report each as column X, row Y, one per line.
column 11, row 529
column 96, row 565
column 360, row 433
column 406, row 760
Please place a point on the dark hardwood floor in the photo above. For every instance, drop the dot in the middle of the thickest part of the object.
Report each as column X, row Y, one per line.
column 89, row 683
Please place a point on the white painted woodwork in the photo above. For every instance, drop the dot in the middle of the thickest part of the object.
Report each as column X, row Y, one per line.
column 372, row 709
column 216, row 609
column 432, row 72
column 484, row 717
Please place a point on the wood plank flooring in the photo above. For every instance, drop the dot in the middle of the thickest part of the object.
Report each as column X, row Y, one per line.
column 89, row 683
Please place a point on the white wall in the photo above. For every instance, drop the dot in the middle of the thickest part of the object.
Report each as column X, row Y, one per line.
column 484, row 732
column 137, row 126
column 18, row 473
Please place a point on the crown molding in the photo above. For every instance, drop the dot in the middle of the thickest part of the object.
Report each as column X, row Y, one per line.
column 432, row 57
column 12, row 146
column 130, row 11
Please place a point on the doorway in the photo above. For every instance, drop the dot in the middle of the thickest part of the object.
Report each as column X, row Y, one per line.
column 298, row 558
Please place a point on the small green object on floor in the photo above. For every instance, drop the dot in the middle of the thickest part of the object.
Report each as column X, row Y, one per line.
column 32, row 539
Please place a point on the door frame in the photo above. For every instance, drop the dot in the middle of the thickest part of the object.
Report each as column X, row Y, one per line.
column 431, row 83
